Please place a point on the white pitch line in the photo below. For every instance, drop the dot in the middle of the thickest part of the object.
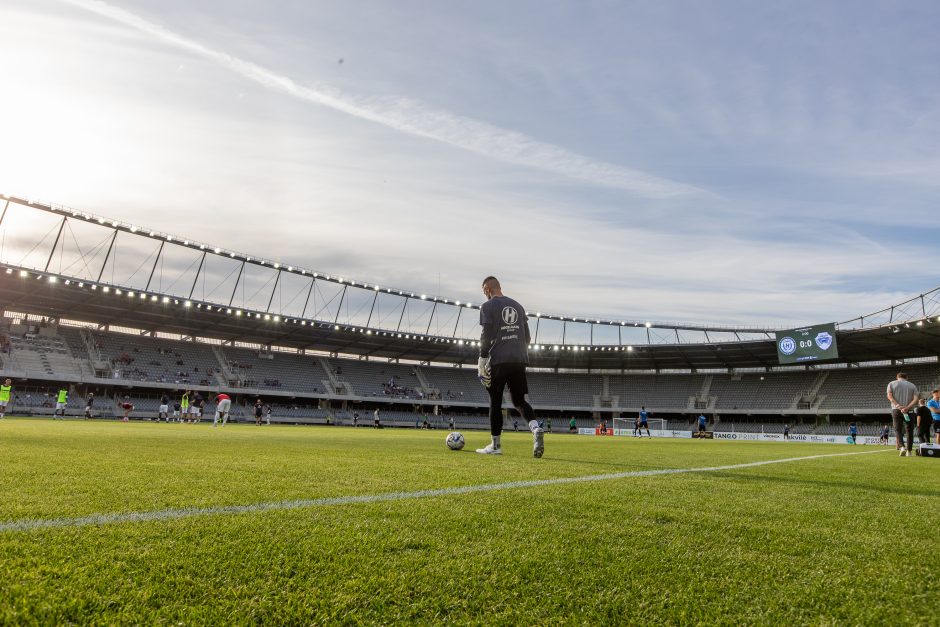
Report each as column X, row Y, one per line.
column 32, row 524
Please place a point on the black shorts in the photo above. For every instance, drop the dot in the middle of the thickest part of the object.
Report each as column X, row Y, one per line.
column 701, row 428
column 644, row 424
column 512, row 375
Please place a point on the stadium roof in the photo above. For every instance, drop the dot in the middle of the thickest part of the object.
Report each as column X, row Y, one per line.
column 57, row 270
column 52, row 295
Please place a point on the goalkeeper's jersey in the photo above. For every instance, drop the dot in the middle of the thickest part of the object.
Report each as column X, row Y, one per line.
column 506, row 331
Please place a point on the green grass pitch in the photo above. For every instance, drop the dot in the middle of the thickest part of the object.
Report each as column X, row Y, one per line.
column 835, row 540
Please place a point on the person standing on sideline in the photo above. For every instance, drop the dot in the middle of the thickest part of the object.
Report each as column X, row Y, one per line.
column 924, row 420
column 5, row 390
column 61, row 401
column 259, row 411
column 934, row 406
column 572, row 425
column 503, row 358
column 903, row 396
column 223, row 402
column 376, row 423
column 786, row 432
column 701, row 423
column 164, row 408
column 853, row 432
column 89, row 404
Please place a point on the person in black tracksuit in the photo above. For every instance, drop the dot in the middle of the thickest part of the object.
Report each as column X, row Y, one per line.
column 503, row 359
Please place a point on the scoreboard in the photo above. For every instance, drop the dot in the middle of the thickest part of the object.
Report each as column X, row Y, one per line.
column 816, row 343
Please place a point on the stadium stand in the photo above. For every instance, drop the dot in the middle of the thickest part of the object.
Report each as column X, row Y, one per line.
column 302, row 387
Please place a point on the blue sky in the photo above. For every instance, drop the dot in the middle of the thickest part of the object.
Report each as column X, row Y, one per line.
column 699, row 161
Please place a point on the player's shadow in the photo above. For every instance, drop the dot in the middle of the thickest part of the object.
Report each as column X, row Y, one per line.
column 839, row 486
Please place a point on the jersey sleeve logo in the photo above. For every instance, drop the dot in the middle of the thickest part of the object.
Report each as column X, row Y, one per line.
column 510, row 315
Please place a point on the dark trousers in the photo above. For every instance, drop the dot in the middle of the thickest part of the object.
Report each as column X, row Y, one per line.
column 513, row 376
column 923, row 433
column 900, row 426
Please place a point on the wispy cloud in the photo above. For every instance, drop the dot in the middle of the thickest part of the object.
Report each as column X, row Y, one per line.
column 409, row 116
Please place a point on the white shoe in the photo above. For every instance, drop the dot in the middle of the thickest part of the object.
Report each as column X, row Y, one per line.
column 538, row 442
column 903, row 452
column 489, row 450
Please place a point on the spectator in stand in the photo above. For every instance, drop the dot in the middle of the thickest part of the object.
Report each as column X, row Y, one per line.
column 903, row 396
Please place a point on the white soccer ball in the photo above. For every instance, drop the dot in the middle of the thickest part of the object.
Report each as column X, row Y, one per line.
column 455, row 441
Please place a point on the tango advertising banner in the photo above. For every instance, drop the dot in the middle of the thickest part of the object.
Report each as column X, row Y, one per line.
column 757, row 437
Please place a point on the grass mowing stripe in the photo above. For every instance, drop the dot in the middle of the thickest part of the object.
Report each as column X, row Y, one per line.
column 188, row 512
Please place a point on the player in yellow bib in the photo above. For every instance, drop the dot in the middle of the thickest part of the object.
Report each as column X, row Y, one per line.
column 184, row 407
column 61, row 401
column 5, row 390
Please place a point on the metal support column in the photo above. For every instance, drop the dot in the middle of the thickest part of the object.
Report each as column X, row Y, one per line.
column 307, row 302
column 154, row 269
column 198, row 272
column 277, row 280
column 55, row 245
column 107, row 255
column 237, row 279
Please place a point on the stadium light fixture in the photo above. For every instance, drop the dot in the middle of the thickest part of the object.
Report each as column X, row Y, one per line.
column 133, row 229
column 629, row 348
column 649, row 324
column 9, row 270
column 154, row 298
column 424, row 297
column 187, row 304
column 130, row 294
column 52, row 279
column 166, row 299
column 238, row 312
column 218, row 250
column 202, row 246
column 336, row 327
column 105, row 289
column 94, row 287
column 24, row 273
column 277, row 318
column 81, row 284
column 277, row 266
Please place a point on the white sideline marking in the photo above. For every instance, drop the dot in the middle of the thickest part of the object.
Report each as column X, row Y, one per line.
column 31, row 524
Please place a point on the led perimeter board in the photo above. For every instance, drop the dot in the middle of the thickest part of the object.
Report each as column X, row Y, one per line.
column 816, row 343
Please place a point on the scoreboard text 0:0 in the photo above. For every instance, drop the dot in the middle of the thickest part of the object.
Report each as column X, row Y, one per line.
column 816, row 343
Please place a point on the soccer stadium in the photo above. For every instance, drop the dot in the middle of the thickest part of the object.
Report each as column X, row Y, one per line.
column 243, row 379
column 330, row 352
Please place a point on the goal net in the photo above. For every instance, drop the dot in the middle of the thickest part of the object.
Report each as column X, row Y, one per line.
column 626, row 426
